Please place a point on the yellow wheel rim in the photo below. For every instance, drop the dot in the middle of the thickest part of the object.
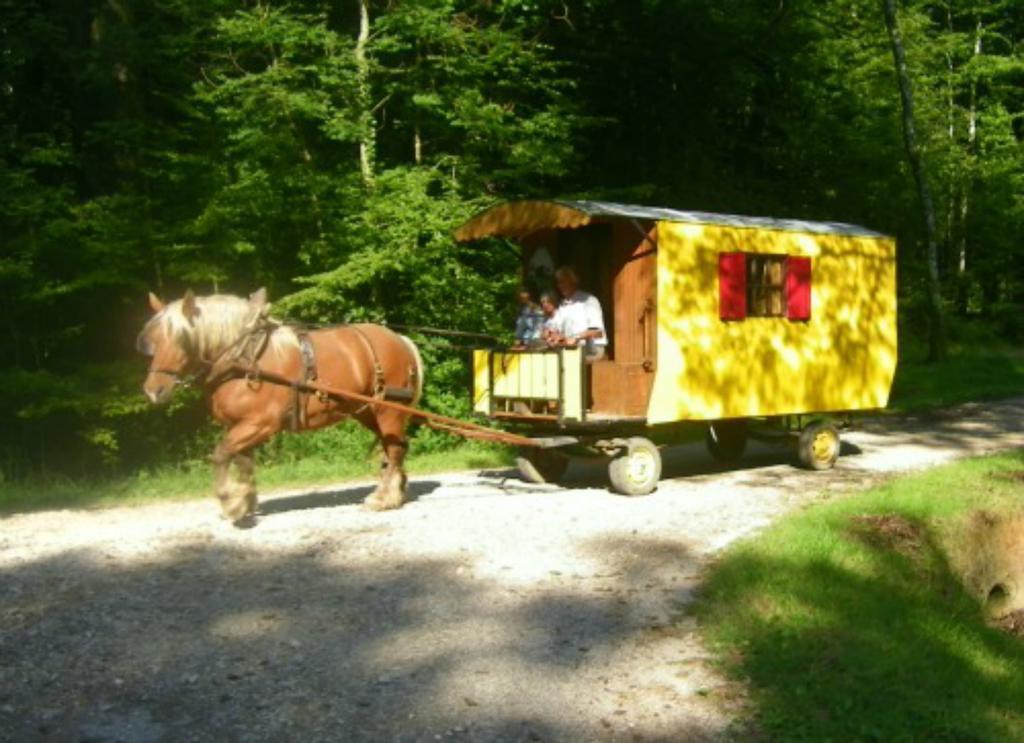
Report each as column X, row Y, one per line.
column 823, row 446
column 641, row 467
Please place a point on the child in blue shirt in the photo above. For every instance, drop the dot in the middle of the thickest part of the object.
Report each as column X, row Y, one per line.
column 529, row 320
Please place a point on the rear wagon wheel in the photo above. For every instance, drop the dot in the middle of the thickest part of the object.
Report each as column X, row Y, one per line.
column 818, row 446
column 637, row 470
column 541, row 465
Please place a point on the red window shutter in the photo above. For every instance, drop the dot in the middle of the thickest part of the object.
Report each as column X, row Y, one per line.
column 798, row 287
column 732, row 286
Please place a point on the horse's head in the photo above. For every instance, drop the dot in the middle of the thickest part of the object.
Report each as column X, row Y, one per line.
column 165, row 340
column 193, row 334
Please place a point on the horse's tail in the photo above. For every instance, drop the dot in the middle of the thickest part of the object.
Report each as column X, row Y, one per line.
column 418, row 393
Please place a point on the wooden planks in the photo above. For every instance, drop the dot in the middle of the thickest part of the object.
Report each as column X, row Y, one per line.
column 620, row 389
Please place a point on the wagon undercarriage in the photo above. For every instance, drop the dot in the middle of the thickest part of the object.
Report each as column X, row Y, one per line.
column 633, row 452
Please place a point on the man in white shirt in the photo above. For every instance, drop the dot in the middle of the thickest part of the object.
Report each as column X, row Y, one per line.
column 579, row 316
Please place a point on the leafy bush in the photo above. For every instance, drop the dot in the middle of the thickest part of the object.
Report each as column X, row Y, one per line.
column 1008, row 320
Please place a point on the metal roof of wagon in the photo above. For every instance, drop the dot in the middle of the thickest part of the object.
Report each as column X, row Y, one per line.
column 520, row 218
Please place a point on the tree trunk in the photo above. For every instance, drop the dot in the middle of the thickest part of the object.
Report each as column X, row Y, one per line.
column 417, row 135
column 367, row 136
column 936, row 324
column 966, row 181
column 954, row 189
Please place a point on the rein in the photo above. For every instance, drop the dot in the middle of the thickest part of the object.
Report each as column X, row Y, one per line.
column 181, row 377
column 378, row 399
column 490, row 340
column 434, row 420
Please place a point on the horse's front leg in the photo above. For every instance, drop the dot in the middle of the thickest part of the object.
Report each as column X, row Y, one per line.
column 236, row 491
column 245, row 470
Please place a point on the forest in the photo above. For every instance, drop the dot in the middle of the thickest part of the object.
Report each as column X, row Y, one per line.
column 327, row 150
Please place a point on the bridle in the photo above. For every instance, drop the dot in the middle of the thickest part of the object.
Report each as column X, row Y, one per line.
column 182, row 378
column 198, row 367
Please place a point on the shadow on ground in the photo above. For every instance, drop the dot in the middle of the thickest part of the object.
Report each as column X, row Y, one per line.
column 341, row 496
column 969, row 429
column 220, row 642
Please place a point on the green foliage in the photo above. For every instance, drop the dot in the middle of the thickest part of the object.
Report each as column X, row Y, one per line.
column 94, row 423
column 215, row 145
column 845, row 631
column 979, row 366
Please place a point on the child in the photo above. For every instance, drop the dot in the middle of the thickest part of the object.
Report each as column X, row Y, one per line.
column 551, row 329
column 528, row 321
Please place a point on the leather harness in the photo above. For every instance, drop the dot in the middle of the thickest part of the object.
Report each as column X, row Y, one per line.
column 378, row 372
column 308, row 374
column 245, row 353
column 300, row 398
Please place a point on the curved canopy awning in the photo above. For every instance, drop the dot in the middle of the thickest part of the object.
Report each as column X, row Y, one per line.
column 521, row 218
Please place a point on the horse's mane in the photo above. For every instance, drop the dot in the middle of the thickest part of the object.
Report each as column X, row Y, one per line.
column 220, row 321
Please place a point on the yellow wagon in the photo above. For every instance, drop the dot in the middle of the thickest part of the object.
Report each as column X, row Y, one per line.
column 743, row 325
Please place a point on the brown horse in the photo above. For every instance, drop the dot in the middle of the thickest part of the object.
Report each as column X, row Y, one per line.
column 228, row 342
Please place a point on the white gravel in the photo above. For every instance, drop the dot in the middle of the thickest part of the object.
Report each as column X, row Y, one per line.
column 487, row 609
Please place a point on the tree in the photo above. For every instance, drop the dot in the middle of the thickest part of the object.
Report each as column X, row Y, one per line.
column 225, row 144
column 936, row 329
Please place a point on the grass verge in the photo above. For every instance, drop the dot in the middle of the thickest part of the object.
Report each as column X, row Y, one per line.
column 195, row 479
column 849, row 621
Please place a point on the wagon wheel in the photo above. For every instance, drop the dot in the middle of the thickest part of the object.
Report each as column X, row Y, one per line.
column 637, row 470
column 726, row 440
column 541, row 465
column 818, row 446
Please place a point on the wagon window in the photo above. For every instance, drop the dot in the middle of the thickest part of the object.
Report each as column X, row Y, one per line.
column 766, row 285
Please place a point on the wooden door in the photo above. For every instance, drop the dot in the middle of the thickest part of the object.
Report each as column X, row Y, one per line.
column 621, row 385
column 634, row 272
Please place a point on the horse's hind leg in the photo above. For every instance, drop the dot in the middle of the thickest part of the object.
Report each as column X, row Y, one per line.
column 390, row 493
column 245, row 467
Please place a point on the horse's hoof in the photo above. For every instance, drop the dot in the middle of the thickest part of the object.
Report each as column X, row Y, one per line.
column 246, row 522
column 373, row 503
column 383, row 504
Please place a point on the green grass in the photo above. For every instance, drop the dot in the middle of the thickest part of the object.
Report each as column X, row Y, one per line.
column 195, row 480
column 841, row 636
column 974, row 370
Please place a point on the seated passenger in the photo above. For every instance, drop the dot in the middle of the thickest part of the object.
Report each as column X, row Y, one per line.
column 528, row 321
column 551, row 330
column 580, row 316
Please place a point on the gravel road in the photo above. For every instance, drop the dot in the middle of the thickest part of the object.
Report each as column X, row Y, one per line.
column 486, row 609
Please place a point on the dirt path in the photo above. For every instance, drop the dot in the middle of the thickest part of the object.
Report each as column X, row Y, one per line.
column 487, row 609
